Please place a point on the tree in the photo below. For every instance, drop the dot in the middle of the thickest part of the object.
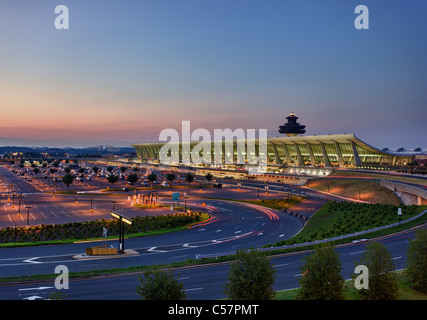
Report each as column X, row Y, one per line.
column 417, row 261
column 160, row 285
column 112, row 179
column 321, row 276
column 68, row 179
column 189, row 177
column 123, row 169
column 132, row 178
column 110, row 168
column 152, row 177
column 170, row 177
column 382, row 279
column 95, row 169
column 209, row 177
column 251, row 277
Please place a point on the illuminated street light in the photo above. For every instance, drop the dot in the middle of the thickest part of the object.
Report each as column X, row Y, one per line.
column 122, row 219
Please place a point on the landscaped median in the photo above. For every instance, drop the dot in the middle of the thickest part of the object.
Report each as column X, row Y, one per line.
column 93, row 230
column 342, row 220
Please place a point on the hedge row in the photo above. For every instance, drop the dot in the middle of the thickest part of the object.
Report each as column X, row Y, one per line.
column 93, row 229
column 342, row 218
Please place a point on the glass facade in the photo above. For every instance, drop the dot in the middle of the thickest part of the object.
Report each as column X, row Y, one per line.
column 331, row 150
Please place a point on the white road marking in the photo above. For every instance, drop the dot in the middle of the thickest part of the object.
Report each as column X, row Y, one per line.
column 31, row 260
column 39, row 288
column 193, row 289
column 153, row 249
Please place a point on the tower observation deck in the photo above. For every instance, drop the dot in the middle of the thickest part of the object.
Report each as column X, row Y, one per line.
column 292, row 127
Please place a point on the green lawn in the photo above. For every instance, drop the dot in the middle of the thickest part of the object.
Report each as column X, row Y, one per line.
column 342, row 218
column 278, row 204
column 405, row 291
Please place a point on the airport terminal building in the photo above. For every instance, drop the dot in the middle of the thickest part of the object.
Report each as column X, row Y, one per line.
column 294, row 149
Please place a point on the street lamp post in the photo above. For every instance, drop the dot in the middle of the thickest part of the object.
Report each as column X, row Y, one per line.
column 19, row 203
column 122, row 221
column 28, row 216
column 13, row 199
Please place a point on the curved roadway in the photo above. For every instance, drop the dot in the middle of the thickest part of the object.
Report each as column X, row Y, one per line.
column 233, row 226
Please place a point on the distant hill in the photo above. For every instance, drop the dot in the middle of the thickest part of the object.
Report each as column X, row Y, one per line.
column 67, row 151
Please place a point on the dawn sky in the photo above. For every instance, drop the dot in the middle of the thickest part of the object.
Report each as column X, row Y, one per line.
column 127, row 69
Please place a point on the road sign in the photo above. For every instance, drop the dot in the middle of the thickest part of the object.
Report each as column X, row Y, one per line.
column 175, row 196
column 104, row 232
column 399, row 211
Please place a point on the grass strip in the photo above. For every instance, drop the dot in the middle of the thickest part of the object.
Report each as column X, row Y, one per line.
column 406, row 292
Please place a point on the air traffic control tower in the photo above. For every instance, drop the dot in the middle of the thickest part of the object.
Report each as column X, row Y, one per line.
column 292, row 127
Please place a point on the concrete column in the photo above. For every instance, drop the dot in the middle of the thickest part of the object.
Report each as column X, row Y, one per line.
column 285, row 150
column 300, row 162
column 325, row 155
column 339, row 154
column 276, row 154
column 310, row 152
column 355, row 153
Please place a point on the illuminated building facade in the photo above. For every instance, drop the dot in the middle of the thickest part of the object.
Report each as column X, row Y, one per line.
column 338, row 150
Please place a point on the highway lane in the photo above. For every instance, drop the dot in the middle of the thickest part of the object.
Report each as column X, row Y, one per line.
column 206, row 282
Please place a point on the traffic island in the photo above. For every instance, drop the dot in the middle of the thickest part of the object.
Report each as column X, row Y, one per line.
column 102, row 253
